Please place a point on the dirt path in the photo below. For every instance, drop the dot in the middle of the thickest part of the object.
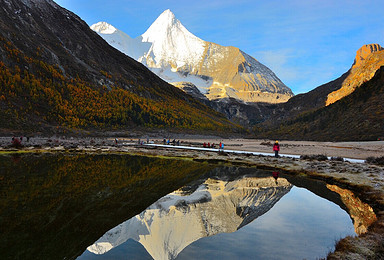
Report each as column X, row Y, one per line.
column 355, row 150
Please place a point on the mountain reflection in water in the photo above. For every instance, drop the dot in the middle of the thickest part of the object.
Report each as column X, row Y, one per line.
column 194, row 221
column 54, row 206
column 178, row 219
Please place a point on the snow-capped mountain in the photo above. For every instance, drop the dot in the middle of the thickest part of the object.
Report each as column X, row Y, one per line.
column 176, row 55
column 178, row 219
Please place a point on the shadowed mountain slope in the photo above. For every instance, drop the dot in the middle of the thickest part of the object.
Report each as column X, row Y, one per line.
column 58, row 74
column 358, row 116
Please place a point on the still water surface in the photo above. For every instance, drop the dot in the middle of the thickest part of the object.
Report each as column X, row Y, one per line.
column 300, row 226
column 281, row 222
column 131, row 207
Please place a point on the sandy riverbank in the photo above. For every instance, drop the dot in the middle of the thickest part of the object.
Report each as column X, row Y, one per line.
column 354, row 150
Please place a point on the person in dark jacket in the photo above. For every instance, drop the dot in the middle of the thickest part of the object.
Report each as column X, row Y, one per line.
column 276, row 148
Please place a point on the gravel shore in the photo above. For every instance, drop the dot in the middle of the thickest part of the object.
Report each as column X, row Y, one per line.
column 354, row 150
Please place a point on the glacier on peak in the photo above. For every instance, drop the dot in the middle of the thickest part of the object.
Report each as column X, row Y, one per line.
column 134, row 48
column 175, row 54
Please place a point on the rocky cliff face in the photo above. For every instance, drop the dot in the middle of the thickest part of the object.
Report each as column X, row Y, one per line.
column 246, row 114
column 176, row 55
column 237, row 111
column 364, row 52
column 191, row 89
column 369, row 59
column 182, row 217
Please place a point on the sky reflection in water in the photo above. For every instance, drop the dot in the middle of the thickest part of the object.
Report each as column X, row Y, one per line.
column 300, row 225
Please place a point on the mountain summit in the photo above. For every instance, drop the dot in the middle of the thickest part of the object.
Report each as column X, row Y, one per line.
column 172, row 43
column 176, row 55
column 364, row 52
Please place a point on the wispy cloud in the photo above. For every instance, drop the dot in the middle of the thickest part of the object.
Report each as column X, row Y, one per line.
column 278, row 61
column 287, row 65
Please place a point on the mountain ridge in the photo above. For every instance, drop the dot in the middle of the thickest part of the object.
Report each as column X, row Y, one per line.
column 369, row 58
column 356, row 117
column 177, row 55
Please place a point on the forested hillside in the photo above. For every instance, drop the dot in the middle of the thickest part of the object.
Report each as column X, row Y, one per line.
column 358, row 116
column 58, row 75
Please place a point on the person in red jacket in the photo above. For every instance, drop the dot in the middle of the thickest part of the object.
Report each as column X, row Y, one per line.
column 276, row 148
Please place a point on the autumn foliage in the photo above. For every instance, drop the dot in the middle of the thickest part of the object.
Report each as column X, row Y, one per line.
column 33, row 92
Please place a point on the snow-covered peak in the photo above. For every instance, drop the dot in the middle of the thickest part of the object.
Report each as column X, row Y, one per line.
column 103, row 27
column 166, row 26
column 166, row 16
column 172, row 43
column 165, row 22
column 176, row 55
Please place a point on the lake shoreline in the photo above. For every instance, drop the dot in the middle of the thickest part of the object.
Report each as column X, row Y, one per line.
column 365, row 180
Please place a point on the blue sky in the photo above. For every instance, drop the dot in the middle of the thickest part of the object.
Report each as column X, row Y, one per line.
column 306, row 43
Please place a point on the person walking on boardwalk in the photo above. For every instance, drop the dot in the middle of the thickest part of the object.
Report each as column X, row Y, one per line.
column 276, row 148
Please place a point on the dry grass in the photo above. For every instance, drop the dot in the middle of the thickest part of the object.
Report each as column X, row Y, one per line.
column 367, row 246
column 375, row 160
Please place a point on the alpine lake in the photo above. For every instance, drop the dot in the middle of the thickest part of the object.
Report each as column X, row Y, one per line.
column 115, row 206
